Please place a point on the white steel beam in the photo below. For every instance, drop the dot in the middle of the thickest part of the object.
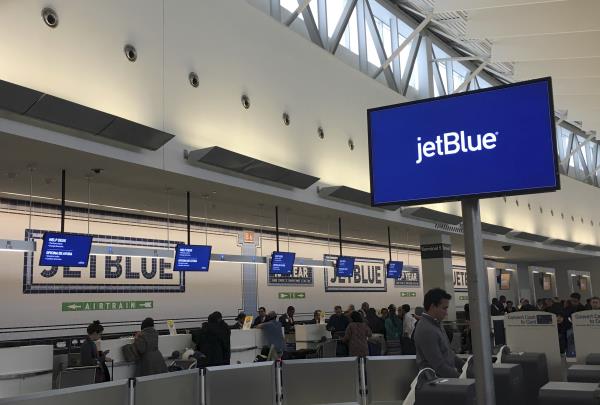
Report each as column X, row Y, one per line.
column 376, row 36
column 577, row 148
column 468, row 80
column 341, row 25
column 404, row 44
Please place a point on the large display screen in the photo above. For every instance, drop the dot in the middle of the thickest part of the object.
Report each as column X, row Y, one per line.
column 344, row 266
column 483, row 143
column 192, row 257
column 394, row 269
column 65, row 249
column 282, row 262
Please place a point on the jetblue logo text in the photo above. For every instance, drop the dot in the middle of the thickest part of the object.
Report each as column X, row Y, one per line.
column 452, row 143
column 118, row 267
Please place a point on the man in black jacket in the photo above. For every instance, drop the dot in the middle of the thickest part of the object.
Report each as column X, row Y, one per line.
column 287, row 319
column 214, row 340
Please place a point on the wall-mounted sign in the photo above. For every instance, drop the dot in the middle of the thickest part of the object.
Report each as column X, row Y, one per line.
column 300, row 276
column 530, row 319
column 106, row 305
column 463, row 151
column 436, row 251
column 586, row 318
column 407, row 294
column 369, row 275
column 459, row 275
column 105, row 274
column 292, row 295
column 410, row 278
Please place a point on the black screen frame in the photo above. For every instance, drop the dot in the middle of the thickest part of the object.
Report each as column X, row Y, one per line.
column 184, row 270
column 44, row 239
column 461, row 197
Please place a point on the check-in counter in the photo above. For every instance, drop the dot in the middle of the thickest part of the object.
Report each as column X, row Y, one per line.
column 25, row 369
column 245, row 345
column 122, row 369
column 308, row 336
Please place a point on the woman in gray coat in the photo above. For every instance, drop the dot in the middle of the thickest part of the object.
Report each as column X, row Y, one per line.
column 146, row 343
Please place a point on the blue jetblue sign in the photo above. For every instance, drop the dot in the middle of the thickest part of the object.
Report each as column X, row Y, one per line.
column 484, row 143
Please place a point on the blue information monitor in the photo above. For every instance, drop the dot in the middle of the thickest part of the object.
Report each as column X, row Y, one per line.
column 65, row 249
column 394, row 269
column 483, row 143
column 282, row 262
column 192, row 257
column 344, row 266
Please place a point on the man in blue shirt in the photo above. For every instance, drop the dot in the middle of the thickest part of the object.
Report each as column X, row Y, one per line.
column 273, row 333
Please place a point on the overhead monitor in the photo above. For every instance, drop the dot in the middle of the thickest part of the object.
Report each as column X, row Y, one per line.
column 394, row 269
column 65, row 249
column 344, row 266
column 282, row 262
column 192, row 257
column 483, row 143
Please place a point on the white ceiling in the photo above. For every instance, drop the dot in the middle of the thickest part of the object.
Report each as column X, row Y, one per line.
column 558, row 38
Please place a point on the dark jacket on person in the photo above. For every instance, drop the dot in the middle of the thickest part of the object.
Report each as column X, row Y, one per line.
column 91, row 357
column 570, row 310
column 337, row 323
column 214, row 341
column 496, row 310
column 151, row 359
column 258, row 320
column 287, row 322
column 433, row 348
column 376, row 324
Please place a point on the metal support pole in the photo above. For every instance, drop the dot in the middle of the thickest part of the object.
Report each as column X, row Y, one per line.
column 188, row 219
column 478, row 303
column 277, row 226
column 340, row 232
column 390, row 243
column 62, row 203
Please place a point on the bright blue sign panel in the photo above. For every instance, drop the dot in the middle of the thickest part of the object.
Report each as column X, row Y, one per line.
column 394, row 269
column 192, row 257
column 344, row 266
column 282, row 262
column 65, row 249
column 484, row 143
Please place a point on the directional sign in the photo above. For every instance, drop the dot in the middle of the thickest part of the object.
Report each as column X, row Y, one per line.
column 292, row 295
column 106, row 305
column 408, row 294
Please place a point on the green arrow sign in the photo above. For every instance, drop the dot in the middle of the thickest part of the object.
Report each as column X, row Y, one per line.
column 292, row 295
column 106, row 305
column 408, row 294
